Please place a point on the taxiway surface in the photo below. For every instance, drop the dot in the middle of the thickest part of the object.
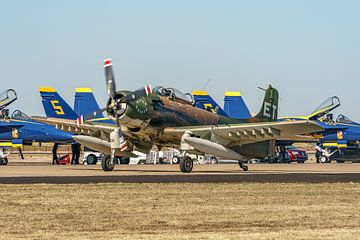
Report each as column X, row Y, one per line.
column 231, row 173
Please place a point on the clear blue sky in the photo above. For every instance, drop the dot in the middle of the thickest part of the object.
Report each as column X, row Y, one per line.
column 309, row 50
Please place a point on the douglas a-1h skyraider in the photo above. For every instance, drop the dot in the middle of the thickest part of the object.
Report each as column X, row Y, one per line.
column 166, row 117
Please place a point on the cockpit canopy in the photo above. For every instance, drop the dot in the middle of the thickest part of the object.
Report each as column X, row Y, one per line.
column 343, row 119
column 174, row 94
column 324, row 108
column 7, row 97
column 19, row 115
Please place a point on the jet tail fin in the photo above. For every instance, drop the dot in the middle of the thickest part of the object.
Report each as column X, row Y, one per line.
column 235, row 107
column 204, row 101
column 54, row 105
column 269, row 108
column 86, row 103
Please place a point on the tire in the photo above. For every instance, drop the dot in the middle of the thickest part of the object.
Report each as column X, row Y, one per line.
column 323, row 159
column 91, row 159
column 4, row 161
column 340, row 161
column 186, row 164
column 141, row 162
column 214, row 160
column 300, row 161
column 243, row 166
column 175, row 160
column 107, row 164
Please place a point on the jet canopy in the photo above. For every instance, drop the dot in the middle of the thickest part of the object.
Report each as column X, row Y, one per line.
column 174, row 94
column 19, row 115
column 344, row 119
column 324, row 108
column 7, row 97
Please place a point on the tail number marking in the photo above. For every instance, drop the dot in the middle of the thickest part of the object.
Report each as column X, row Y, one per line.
column 267, row 110
column 58, row 109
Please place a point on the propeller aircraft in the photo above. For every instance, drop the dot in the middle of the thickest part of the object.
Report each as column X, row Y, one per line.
column 167, row 117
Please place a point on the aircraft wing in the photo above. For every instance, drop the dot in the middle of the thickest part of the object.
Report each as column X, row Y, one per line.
column 99, row 130
column 246, row 133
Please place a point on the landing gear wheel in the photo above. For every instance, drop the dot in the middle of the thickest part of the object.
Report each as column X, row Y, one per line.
column 243, row 166
column 3, row 161
column 213, row 160
column 186, row 164
column 107, row 164
column 323, row 159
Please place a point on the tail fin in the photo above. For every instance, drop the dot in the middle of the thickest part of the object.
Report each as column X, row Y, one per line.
column 85, row 102
column 204, row 101
column 269, row 108
column 54, row 105
column 235, row 107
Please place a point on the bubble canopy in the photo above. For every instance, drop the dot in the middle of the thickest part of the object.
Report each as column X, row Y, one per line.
column 174, row 94
column 7, row 97
column 324, row 108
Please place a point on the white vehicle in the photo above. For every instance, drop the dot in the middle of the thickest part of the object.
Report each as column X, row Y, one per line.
column 4, row 152
column 91, row 157
column 140, row 159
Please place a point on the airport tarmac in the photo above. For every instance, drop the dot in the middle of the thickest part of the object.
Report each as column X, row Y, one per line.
column 231, row 173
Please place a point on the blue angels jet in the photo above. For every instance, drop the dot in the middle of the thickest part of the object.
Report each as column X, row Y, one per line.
column 19, row 129
column 341, row 136
column 167, row 117
column 339, row 141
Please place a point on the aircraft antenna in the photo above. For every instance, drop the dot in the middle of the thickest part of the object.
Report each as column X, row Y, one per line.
column 206, row 83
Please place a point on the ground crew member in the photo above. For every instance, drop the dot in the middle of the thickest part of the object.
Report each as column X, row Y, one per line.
column 54, row 152
column 75, row 148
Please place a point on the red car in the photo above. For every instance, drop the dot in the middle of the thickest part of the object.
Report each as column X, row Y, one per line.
column 296, row 154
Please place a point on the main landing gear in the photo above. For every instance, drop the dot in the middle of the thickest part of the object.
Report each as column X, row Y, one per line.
column 243, row 165
column 186, row 164
column 107, row 164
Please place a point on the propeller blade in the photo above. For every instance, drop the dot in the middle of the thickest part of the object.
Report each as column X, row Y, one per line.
column 109, row 76
column 93, row 114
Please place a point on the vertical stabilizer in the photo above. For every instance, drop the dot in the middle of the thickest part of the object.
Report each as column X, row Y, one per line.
column 54, row 105
column 86, row 103
column 235, row 107
column 204, row 101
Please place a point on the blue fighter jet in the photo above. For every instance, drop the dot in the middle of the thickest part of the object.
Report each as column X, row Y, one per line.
column 339, row 141
column 19, row 129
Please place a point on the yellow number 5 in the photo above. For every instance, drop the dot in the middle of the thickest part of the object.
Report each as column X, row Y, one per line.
column 58, row 109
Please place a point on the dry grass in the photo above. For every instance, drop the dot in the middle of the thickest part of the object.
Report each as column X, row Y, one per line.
column 180, row 211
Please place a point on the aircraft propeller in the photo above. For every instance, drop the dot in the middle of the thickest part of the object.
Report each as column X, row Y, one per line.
column 117, row 106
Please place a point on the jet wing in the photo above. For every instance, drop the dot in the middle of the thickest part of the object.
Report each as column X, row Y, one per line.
column 245, row 133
